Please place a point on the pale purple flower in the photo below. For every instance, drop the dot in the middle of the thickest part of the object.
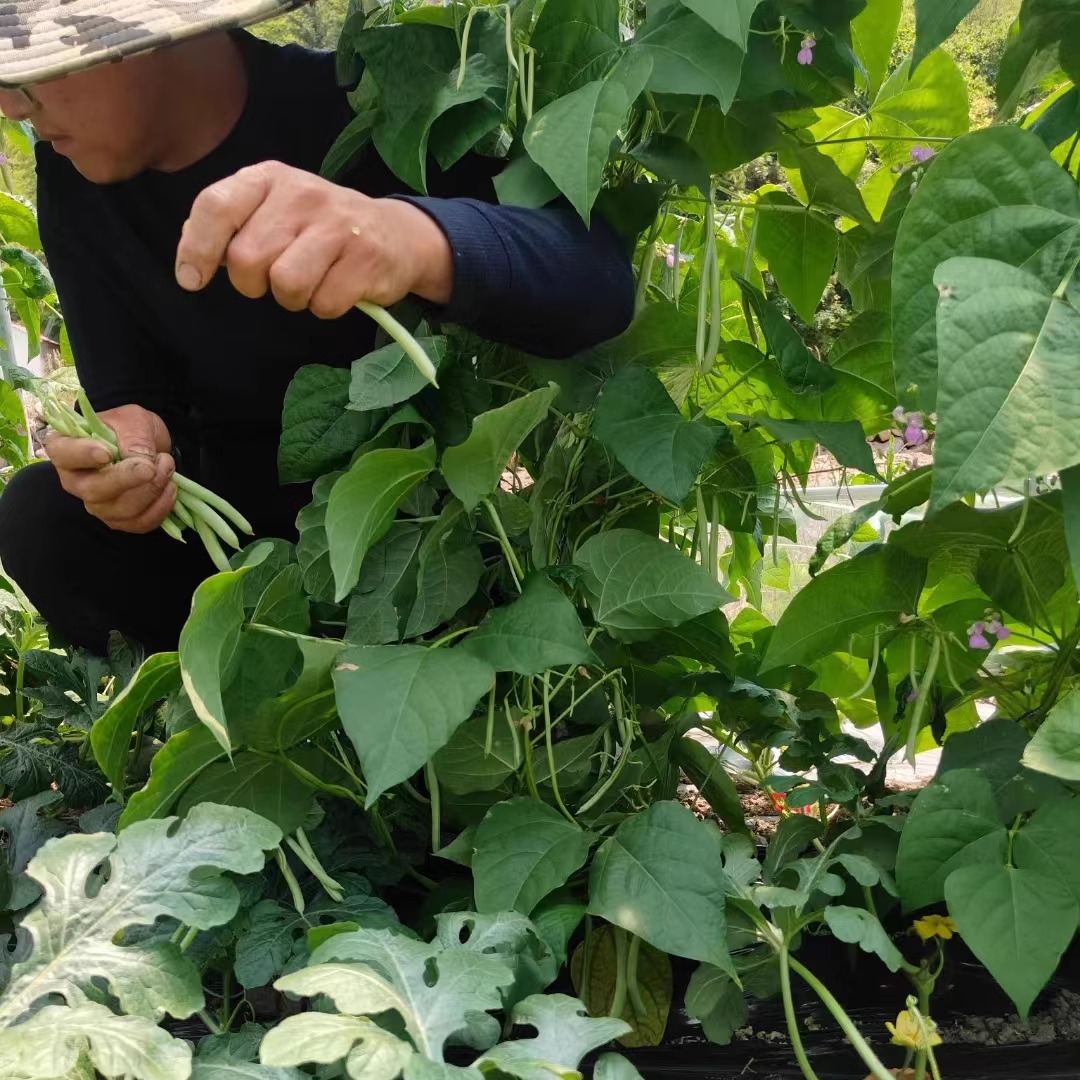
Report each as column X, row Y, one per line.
column 806, row 53
column 922, row 154
column 977, row 636
column 914, row 426
column 995, row 627
column 669, row 255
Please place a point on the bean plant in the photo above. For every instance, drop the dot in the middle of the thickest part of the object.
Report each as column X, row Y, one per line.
column 421, row 771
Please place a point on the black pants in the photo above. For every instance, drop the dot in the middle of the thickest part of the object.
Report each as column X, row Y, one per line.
column 87, row 580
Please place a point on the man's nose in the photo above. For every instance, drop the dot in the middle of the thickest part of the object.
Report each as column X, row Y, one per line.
column 16, row 104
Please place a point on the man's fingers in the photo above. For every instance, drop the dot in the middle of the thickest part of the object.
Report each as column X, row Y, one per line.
column 150, row 518
column 104, row 487
column 76, row 454
column 300, row 269
column 255, row 249
column 217, row 215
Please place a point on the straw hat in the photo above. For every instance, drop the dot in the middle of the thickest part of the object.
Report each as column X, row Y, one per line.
column 47, row 39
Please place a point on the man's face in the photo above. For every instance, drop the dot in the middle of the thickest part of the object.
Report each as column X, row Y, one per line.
column 102, row 119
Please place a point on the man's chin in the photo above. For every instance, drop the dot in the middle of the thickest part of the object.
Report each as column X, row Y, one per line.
column 96, row 168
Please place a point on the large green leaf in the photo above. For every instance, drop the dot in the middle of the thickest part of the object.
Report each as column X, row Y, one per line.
column 263, row 785
column 388, row 376
column 207, row 644
column 689, row 57
column 575, row 41
column 930, row 103
column 660, row 877
column 565, row 1033
column 384, row 587
column 953, row 823
column 111, row 734
column 844, row 439
column 636, row 584
column 1006, row 355
column 540, row 630
column 800, row 247
column 158, row 869
column 18, row 222
column 1017, row 922
column 868, row 592
column 465, row 765
column 434, row 989
column 1049, row 842
column 524, row 850
column 363, row 503
column 801, row 370
column 716, row 1001
column 570, row 138
column 56, row 1040
column 318, row 433
column 1055, row 749
column 935, row 20
column 313, row 551
column 417, row 70
column 873, row 33
column 474, row 468
column 994, row 194
column 638, row 422
column 175, row 765
column 400, row 704
column 730, row 19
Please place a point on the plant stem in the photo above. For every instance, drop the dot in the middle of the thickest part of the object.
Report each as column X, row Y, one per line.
column 504, row 542
column 436, row 804
column 20, row 676
column 552, row 771
column 920, row 1055
column 211, row 1024
column 923, row 697
column 862, row 1048
column 792, row 1020
column 188, row 938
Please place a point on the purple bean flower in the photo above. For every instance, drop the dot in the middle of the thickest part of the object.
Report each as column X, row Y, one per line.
column 668, row 251
column 914, row 426
column 977, row 636
column 994, row 626
column 922, row 154
column 806, row 53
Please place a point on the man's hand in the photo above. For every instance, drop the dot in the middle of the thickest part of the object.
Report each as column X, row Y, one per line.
column 311, row 243
column 134, row 495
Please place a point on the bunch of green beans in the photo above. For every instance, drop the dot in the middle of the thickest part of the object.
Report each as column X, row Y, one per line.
column 215, row 520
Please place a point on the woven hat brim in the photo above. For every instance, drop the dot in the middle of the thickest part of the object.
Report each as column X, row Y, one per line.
column 41, row 40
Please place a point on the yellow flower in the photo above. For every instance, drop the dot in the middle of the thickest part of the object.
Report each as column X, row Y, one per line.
column 932, row 926
column 906, row 1032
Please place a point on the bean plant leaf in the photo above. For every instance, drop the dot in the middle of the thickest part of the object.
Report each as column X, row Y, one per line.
column 732, row 20
column 175, row 765
column 158, row 869
column 844, row 439
column 400, row 704
column 800, row 246
column 370, row 1052
column 363, row 503
column 313, row 550
column 565, row 1033
column 54, row 1040
column 994, row 194
column 433, row 989
column 638, row 422
column 716, row 1001
column 868, row 592
column 1055, row 747
column 524, row 850
column 1017, row 922
column 689, row 57
column 637, row 584
column 464, row 764
column 953, row 823
column 873, row 33
column 570, row 138
column 1049, row 842
column 474, row 468
column 111, row 734
column 935, row 20
column 538, row 631
column 660, row 877
column 801, row 370
column 388, row 376
column 207, row 643
column 383, row 587
column 274, row 935
column 318, row 433
column 449, row 569
column 857, row 926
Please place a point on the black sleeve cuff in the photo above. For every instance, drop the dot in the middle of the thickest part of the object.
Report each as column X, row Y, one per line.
column 482, row 265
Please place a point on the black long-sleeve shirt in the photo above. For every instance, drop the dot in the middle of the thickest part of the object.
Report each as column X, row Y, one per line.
column 215, row 364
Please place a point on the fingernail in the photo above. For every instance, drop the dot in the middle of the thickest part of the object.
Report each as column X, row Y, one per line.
column 188, row 277
column 101, row 456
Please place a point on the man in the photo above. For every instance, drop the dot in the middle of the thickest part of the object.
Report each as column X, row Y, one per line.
column 200, row 151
